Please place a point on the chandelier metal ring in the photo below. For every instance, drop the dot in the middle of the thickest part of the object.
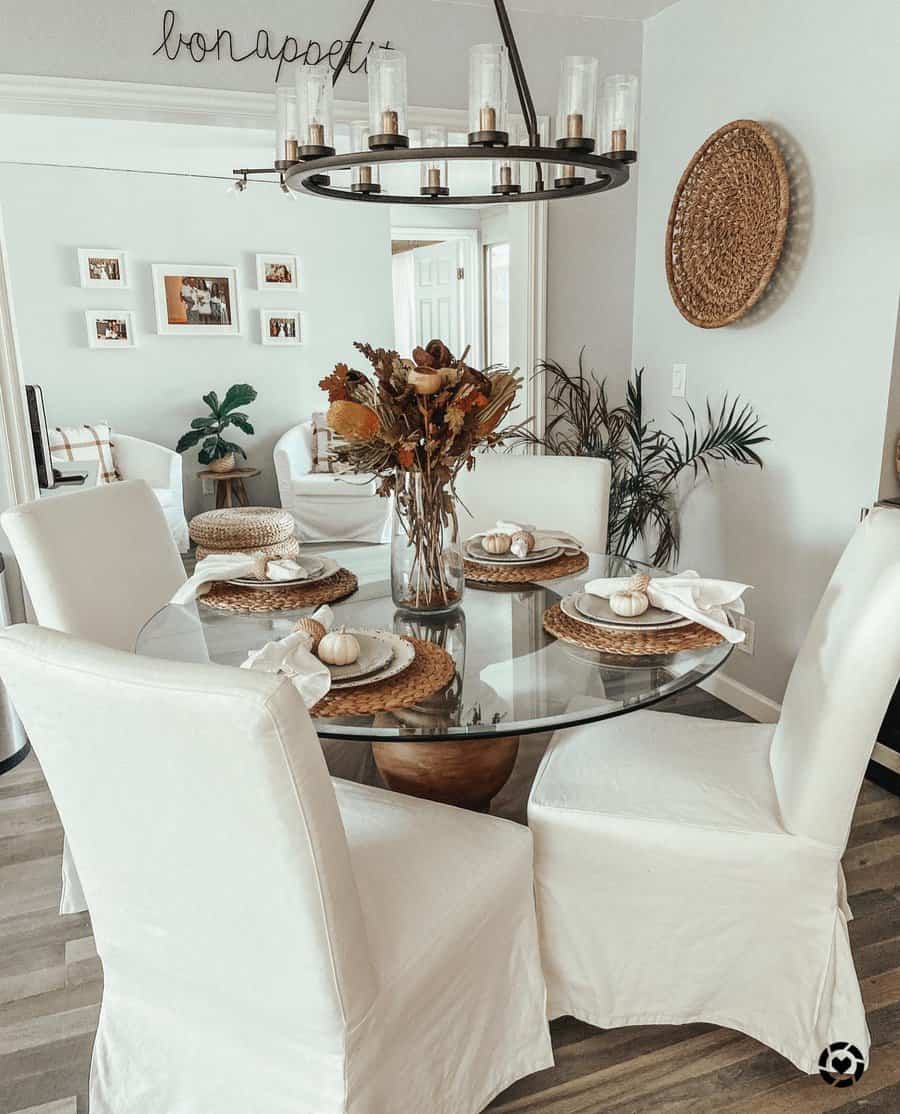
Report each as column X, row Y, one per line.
column 307, row 177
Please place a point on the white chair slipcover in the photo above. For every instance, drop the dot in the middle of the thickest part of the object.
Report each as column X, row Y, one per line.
column 159, row 467
column 96, row 564
column 327, row 507
column 552, row 492
column 268, row 946
column 690, row 870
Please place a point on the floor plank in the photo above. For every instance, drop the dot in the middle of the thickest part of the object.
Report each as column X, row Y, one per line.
column 51, row 984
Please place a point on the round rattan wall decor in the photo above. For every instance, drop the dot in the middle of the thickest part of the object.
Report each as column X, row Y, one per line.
column 727, row 225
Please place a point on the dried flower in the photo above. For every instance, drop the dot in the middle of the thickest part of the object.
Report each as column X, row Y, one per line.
column 353, row 421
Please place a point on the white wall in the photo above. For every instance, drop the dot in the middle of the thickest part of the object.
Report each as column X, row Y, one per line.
column 815, row 358
column 154, row 390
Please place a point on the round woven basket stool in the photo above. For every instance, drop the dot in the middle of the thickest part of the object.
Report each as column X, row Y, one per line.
column 238, row 528
column 290, row 547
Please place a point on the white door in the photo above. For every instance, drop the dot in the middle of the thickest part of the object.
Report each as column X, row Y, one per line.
column 437, row 279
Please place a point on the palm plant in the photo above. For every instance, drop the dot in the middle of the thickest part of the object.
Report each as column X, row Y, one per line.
column 222, row 414
column 646, row 463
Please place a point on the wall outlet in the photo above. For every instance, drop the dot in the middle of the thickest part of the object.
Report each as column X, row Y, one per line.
column 679, row 380
column 744, row 623
column 208, row 488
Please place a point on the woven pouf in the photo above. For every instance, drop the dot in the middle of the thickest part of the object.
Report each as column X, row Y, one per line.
column 290, row 547
column 232, row 529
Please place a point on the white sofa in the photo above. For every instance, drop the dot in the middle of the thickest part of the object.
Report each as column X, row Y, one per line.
column 327, row 507
column 161, row 469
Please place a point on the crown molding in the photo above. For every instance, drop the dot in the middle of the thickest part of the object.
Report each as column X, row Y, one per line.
column 175, row 104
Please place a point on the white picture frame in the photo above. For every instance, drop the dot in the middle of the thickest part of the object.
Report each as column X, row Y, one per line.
column 277, row 273
column 103, row 269
column 282, row 328
column 110, row 328
column 195, row 299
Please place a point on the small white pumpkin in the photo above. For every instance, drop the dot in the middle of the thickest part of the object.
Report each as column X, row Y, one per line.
column 338, row 648
column 496, row 543
column 629, row 603
column 521, row 543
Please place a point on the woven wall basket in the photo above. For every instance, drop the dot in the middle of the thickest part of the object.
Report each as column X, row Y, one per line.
column 727, row 225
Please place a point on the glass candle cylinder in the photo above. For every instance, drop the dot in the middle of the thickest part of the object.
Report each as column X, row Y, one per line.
column 363, row 179
column 387, row 99
column 315, row 111
column 433, row 181
column 507, row 174
column 488, row 91
column 576, row 116
column 618, row 115
column 286, row 150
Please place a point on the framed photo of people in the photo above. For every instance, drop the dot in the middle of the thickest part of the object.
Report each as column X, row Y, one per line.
column 282, row 327
column 277, row 272
column 102, row 269
column 196, row 300
column 110, row 328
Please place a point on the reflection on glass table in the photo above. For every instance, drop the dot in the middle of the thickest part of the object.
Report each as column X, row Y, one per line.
column 512, row 678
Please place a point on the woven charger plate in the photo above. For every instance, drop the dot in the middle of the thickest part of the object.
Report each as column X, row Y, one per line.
column 230, row 597
column 630, row 641
column 526, row 574
column 432, row 670
column 290, row 547
column 727, row 225
column 242, row 527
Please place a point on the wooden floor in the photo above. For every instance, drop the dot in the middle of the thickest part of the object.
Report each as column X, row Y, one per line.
column 50, row 986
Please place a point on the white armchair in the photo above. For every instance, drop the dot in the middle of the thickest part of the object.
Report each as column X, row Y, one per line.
column 327, row 507
column 160, row 468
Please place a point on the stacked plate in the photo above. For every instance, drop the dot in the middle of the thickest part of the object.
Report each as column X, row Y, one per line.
column 595, row 611
column 476, row 552
column 381, row 655
column 317, row 568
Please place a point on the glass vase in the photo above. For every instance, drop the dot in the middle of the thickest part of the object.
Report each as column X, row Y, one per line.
column 427, row 570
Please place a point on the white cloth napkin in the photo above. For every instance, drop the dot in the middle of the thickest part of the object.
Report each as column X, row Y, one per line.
column 701, row 600
column 543, row 539
column 293, row 657
column 228, row 566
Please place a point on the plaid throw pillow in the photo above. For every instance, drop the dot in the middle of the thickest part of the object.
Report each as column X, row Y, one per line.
column 321, row 444
column 86, row 442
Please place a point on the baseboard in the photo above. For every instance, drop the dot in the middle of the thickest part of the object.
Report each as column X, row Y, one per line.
column 742, row 697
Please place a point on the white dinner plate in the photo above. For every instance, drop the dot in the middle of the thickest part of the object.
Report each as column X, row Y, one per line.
column 402, row 656
column 375, row 654
column 477, row 553
column 569, row 607
column 319, row 568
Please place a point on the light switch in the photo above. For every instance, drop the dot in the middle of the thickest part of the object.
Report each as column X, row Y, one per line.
column 679, row 380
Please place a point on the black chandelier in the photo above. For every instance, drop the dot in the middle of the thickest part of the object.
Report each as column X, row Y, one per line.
column 590, row 115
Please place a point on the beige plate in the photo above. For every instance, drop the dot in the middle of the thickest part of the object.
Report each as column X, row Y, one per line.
column 319, row 569
column 475, row 552
column 570, row 605
column 401, row 655
column 374, row 655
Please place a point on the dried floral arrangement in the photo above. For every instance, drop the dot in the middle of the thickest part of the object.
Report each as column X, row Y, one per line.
column 414, row 425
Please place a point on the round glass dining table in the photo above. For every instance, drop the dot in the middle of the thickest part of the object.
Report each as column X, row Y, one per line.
column 511, row 679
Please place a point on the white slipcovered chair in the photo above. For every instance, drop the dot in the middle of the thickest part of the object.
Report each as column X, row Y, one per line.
column 96, row 564
column 553, row 492
column 325, row 506
column 161, row 469
column 272, row 941
column 690, row 870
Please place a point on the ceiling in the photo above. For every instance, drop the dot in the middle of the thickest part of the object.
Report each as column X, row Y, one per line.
column 586, row 9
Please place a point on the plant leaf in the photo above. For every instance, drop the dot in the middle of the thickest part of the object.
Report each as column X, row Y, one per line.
column 241, row 421
column 202, row 423
column 188, row 440
column 212, row 401
column 238, row 394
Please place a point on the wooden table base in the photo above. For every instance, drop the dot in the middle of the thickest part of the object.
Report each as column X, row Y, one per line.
column 468, row 773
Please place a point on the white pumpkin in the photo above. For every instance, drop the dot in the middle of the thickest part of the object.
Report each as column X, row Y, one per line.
column 522, row 543
column 338, row 648
column 495, row 543
column 629, row 603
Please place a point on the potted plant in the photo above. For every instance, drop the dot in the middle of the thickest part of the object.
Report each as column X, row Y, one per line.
column 215, row 452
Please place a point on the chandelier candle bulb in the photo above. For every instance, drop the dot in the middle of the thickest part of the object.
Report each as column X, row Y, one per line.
column 487, row 119
column 433, row 175
column 619, row 140
column 505, row 175
column 389, row 122
column 363, row 179
column 316, row 135
column 365, row 175
column 575, row 125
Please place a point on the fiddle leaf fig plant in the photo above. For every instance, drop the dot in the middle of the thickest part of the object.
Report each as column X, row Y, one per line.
column 209, row 428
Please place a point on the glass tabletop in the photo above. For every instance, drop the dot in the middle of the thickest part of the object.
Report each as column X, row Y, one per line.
column 512, row 678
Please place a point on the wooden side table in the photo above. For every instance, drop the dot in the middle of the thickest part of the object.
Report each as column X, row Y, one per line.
column 230, row 490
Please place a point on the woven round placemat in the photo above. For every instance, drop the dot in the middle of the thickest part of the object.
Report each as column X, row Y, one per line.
column 290, row 547
column 727, row 225
column 241, row 526
column 231, row 597
column 432, row 670
column 631, row 641
column 526, row 574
